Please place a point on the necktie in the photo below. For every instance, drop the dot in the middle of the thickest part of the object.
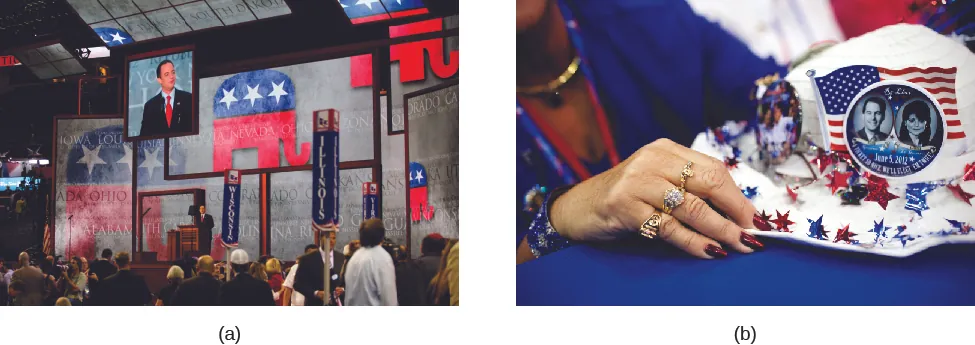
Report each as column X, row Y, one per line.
column 169, row 112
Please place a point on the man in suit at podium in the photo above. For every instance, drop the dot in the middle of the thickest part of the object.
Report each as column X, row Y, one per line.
column 170, row 111
column 204, row 222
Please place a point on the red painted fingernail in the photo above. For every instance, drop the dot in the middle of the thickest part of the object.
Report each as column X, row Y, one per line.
column 715, row 251
column 751, row 241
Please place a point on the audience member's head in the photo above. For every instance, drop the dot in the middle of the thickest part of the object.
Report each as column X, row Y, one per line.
column 122, row 260
column 272, row 267
column 372, row 232
column 310, row 248
column 263, row 259
column 240, row 261
column 354, row 246
column 402, row 254
column 3, row 266
column 84, row 264
column 63, row 302
column 23, row 260
column 330, row 236
column 107, row 254
column 256, row 270
column 205, row 264
column 175, row 275
column 74, row 266
column 432, row 245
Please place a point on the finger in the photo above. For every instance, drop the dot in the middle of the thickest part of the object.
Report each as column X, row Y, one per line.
column 671, row 230
column 711, row 181
column 696, row 213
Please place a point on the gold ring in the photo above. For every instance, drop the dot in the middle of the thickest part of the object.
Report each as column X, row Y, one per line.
column 651, row 226
column 672, row 198
column 685, row 174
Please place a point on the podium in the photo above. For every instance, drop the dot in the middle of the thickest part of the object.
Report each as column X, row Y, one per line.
column 185, row 240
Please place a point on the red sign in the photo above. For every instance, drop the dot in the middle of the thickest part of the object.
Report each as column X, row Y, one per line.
column 8, row 60
column 411, row 56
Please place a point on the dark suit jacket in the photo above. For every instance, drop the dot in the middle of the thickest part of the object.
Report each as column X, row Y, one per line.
column 154, row 114
column 862, row 133
column 202, row 290
column 309, row 277
column 246, row 290
column 124, row 288
column 206, row 232
column 102, row 269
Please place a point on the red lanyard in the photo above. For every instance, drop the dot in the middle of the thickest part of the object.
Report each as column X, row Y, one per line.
column 562, row 146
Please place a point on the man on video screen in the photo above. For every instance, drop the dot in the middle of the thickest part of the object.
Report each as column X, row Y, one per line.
column 171, row 111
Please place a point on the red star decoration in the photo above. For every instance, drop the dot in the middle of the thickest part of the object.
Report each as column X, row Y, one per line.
column 961, row 193
column 718, row 135
column 969, row 172
column 822, row 160
column 782, row 221
column 761, row 221
column 792, row 193
column 844, row 234
column 731, row 162
column 876, row 180
column 965, row 229
column 877, row 191
column 838, row 180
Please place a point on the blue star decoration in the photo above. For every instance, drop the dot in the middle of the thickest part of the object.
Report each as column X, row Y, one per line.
column 816, row 229
column 854, row 177
column 735, row 152
column 880, row 230
column 962, row 228
column 901, row 237
column 113, row 37
column 917, row 196
column 750, row 192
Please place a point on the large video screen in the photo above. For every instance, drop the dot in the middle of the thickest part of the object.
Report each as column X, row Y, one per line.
column 159, row 96
column 263, row 118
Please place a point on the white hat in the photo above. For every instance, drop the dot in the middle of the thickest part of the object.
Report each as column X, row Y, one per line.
column 239, row 257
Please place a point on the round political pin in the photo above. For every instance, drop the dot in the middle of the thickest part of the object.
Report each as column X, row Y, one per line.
column 894, row 129
column 335, row 276
column 779, row 122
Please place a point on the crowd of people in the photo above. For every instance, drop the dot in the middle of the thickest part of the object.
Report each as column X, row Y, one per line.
column 368, row 272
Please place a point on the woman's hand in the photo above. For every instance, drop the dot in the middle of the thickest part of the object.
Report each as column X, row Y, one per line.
column 618, row 201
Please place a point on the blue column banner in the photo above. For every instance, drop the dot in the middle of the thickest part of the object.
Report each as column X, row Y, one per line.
column 325, row 170
column 231, row 208
column 370, row 200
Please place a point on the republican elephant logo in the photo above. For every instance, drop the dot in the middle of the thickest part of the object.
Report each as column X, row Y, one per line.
column 256, row 110
column 419, row 199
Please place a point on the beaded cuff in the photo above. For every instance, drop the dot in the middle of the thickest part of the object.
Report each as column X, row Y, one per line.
column 542, row 237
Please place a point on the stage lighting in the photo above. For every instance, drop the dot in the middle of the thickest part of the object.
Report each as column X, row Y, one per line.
column 44, row 161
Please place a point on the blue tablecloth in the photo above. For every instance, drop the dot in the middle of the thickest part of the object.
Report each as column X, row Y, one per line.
column 653, row 273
